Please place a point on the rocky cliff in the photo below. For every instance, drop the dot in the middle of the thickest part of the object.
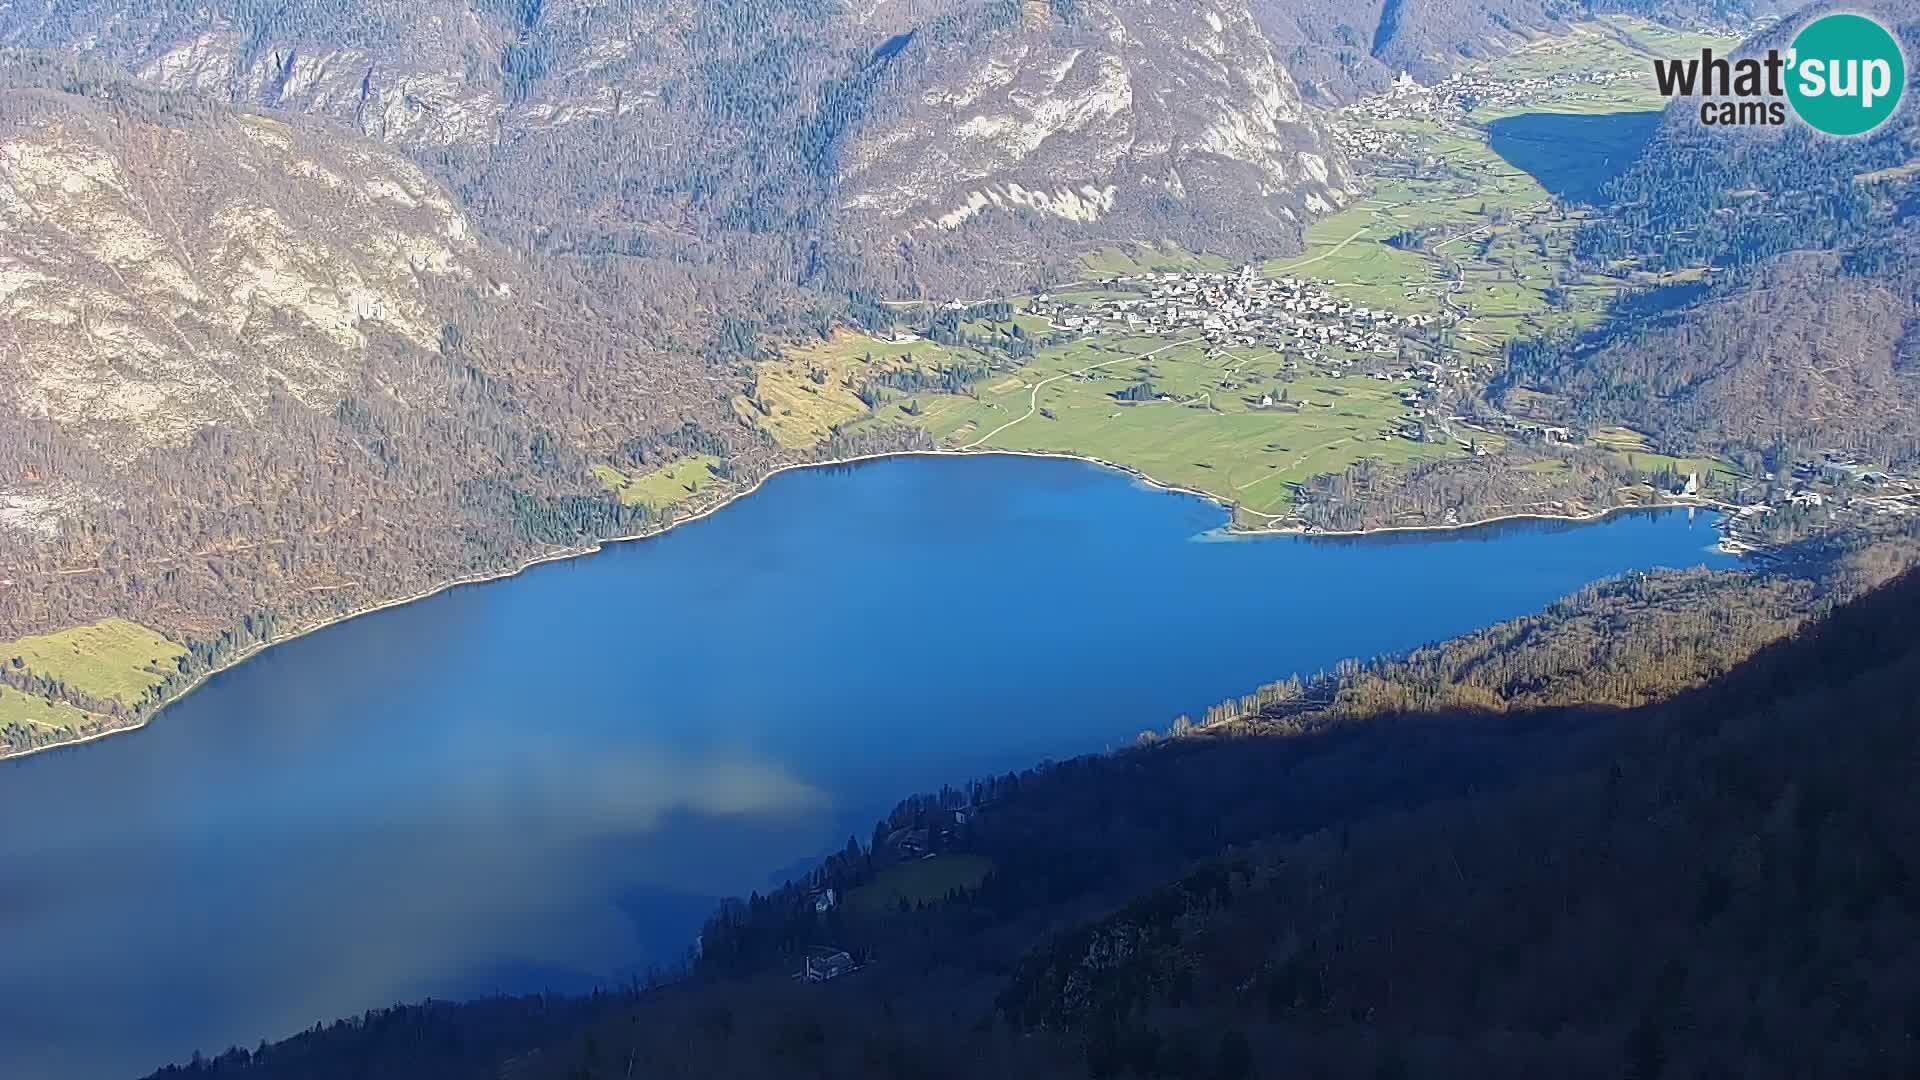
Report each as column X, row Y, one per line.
column 814, row 126
column 168, row 265
column 1119, row 111
column 257, row 363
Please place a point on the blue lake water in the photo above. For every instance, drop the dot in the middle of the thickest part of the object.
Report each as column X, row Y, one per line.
column 544, row 782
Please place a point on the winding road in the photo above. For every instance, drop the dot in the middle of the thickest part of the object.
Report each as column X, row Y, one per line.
column 1334, row 250
column 1033, row 400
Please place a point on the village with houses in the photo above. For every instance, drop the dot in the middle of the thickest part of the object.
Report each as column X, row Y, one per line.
column 1300, row 321
column 1364, row 130
column 1454, row 97
column 1365, row 356
column 1242, row 308
column 1296, row 320
column 1836, row 489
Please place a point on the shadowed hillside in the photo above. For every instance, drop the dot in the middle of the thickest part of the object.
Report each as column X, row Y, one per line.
column 1572, row 154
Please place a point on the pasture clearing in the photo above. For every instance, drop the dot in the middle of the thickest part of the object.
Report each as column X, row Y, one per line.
column 800, row 396
column 663, row 486
column 1238, row 425
column 920, row 880
column 113, row 659
column 40, row 716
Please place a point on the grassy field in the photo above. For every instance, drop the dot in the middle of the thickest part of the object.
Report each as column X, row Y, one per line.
column 113, row 659
column 1632, row 447
column 920, row 880
column 1210, row 432
column 1570, row 154
column 38, row 713
column 1350, row 249
column 1483, row 192
column 663, row 486
column 1494, row 246
column 809, row 389
column 1706, row 468
column 1609, row 43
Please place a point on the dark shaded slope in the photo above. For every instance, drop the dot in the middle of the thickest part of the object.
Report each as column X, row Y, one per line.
column 1733, row 893
column 1572, row 154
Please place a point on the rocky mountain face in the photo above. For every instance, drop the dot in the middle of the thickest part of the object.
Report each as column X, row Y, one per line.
column 442, row 255
column 254, row 363
column 1340, row 51
column 801, row 127
column 1120, row 111
column 314, row 303
column 172, row 265
column 802, row 143
column 1347, row 50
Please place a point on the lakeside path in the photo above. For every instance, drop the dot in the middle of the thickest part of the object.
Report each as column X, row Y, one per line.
column 1033, row 401
column 727, row 498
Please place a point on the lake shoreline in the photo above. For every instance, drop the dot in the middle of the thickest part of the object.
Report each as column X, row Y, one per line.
column 728, row 499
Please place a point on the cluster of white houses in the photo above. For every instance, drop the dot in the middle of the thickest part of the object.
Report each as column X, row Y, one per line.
column 1239, row 309
column 1836, row 488
column 1465, row 92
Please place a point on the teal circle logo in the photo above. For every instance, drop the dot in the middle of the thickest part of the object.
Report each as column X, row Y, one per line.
column 1847, row 74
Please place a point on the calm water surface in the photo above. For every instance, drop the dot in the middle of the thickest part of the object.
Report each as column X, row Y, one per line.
column 545, row 782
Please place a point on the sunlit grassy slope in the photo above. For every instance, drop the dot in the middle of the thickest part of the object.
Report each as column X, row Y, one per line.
column 114, row 660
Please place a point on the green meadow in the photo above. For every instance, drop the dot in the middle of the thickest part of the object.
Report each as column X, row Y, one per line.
column 1632, row 447
column 1494, row 246
column 39, row 715
column 1483, row 192
column 663, row 486
column 1494, row 199
column 1206, row 428
column 801, row 395
column 921, row 880
column 114, row 660
column 1609, row 43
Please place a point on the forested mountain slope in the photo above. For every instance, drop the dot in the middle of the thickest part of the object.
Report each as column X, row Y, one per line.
column 255, row 365
column 170, row 264
column 330, row 303
column 1731, row 894
column 1716, row 883
column 1796, row 317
